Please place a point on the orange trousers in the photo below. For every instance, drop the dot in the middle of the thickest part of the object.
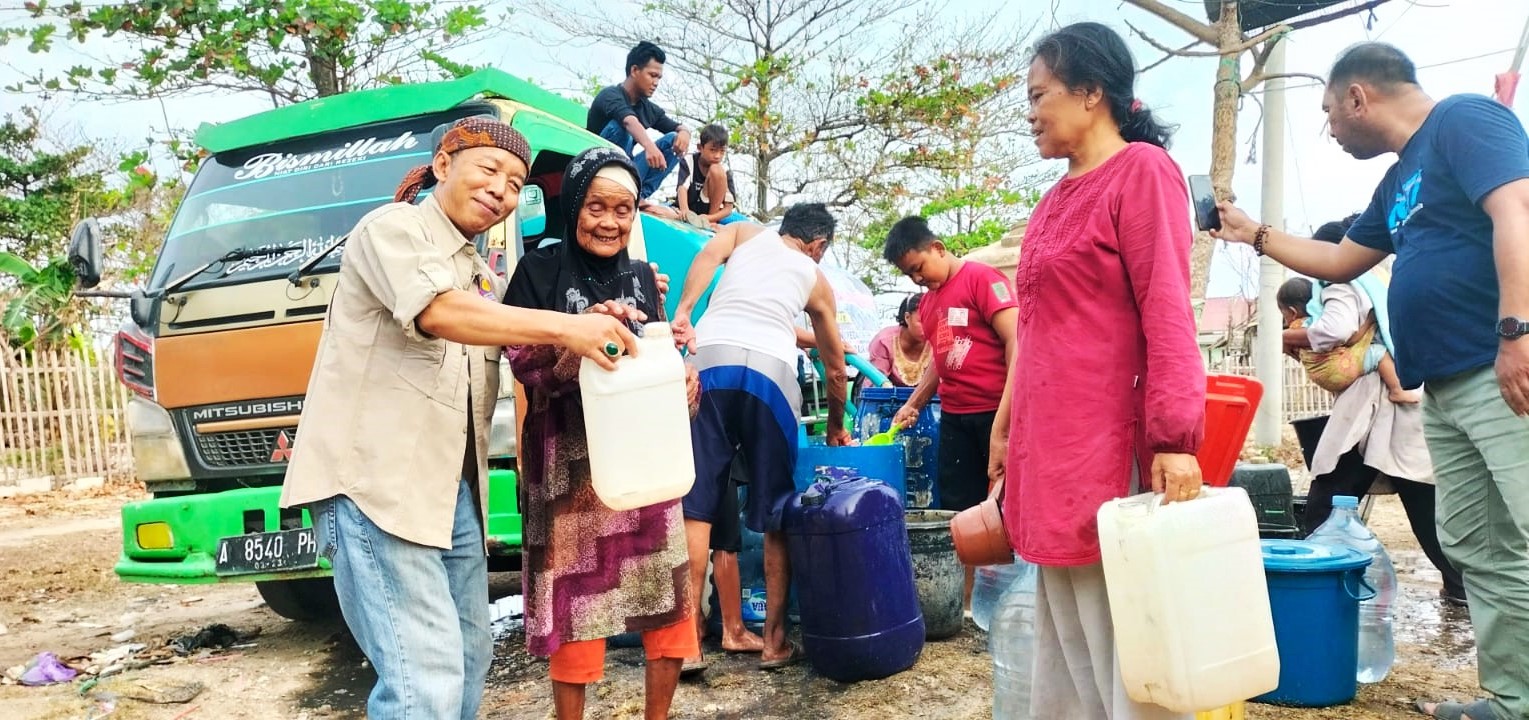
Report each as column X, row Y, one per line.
column 583, row 662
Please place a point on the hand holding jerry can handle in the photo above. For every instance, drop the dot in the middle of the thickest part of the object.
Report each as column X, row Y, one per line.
column 1176, row 476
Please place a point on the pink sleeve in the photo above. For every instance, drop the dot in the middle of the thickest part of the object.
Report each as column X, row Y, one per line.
column 1152, row 223
column 881, row 353
column 994, row 292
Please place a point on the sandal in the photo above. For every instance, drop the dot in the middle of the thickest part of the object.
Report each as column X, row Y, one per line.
column 692, row 668
column 1453, row 600
column 1477, row 710
column 791, row 658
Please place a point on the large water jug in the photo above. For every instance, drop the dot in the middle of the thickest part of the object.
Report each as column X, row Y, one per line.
column 1377, row 648
column 853, row 573
column 637, row 422
column 989, row 582
column 1193, row 628
column 1012, row 642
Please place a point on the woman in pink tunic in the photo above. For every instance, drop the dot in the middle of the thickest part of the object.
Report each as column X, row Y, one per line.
column 1109, row 396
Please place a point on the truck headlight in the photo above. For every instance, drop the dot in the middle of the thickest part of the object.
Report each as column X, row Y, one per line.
column 501, row 433
column 157, row 450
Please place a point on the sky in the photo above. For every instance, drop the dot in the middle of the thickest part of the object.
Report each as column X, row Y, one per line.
column 1458, row 46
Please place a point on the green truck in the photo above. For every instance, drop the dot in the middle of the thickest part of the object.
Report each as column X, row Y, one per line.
column 222, row 340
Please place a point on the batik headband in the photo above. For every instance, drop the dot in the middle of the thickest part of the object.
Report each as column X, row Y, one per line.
column 467, row 133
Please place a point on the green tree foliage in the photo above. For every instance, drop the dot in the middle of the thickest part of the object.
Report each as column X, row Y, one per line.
column 878, row 109
column 45, row 189
column 289, row 50
column 955, row 126
column 37, row 308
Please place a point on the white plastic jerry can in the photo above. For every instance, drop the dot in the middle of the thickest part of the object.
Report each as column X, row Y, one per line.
column 637, row 424
column 1193, row 629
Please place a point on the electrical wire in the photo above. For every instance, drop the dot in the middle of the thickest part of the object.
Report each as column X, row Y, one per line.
column 1395, row 22
column 1300, row 182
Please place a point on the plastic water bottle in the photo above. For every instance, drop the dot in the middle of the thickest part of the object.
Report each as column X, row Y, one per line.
column 988, row 585
column 751, row 579
column 1377, row 648
column 1012, row 643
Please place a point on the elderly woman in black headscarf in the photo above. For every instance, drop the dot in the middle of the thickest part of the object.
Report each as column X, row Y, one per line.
column 591, row 572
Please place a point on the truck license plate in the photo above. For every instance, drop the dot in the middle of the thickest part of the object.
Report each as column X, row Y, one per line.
column 267, row 552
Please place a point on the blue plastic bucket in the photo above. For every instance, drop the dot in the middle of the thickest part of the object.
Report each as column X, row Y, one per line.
column 883, row 463
column 920, row 443
column 1315, row 591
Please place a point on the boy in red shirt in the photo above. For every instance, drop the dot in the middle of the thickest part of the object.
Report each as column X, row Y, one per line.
column 969, row 317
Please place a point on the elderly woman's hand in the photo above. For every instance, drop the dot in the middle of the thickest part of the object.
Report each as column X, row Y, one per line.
column 662, row 280
column 618, row 310
column 692, row 386
column 1176, row 476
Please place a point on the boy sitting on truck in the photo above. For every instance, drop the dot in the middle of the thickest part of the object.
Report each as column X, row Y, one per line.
column 706, row 185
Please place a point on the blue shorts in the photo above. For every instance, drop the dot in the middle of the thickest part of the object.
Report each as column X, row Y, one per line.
column 749, row 405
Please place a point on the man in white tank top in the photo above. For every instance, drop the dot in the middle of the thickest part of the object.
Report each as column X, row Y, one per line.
column 745, row 349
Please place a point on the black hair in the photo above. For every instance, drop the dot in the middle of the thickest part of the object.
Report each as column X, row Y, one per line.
column 714, row 134
column 907, row 306
column 1378, row 64
column 1334, row 231
column 910, row 234
column 808, row 222
column 642, row 53
column 1295, row 293
column 1088, row 56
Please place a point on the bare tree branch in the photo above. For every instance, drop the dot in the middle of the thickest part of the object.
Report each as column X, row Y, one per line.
column 1253, row 82
column 1169, row 55
column 1180, row 52
column 1266, row 35
column 1204, row 32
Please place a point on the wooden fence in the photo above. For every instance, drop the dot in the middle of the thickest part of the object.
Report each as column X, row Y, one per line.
column 61, row 416
column 1302, row 398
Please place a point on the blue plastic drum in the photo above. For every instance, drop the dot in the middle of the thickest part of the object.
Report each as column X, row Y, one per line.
column 921, row 443
column 853, row 571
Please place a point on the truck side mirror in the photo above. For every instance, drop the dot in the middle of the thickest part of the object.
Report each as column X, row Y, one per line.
column 85, row 253
column 141, row 308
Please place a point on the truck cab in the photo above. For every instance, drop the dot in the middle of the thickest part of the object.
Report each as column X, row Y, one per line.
column 222, row 340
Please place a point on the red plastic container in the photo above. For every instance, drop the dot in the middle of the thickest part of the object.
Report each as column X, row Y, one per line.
column 1230, row 402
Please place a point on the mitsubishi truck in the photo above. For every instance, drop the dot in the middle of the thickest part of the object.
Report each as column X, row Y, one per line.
column 222, row 338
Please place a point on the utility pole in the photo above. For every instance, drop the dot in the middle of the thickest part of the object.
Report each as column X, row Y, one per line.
column 1268, row 355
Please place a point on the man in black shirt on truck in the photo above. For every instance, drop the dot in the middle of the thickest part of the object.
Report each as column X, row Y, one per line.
column 623, row 113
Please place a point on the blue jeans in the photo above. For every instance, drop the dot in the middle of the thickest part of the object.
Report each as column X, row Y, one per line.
column 419, row 613
column 735, row 216
column 650, row 178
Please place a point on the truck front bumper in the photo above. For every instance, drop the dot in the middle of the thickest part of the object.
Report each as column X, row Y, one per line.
column 175, row 539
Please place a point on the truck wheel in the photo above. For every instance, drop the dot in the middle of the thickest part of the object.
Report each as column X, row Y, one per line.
column 305, row 600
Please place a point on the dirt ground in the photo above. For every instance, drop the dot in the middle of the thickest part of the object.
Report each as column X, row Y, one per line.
column 59, row 594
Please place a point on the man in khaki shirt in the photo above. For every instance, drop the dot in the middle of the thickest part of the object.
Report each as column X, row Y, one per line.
column 391, row 452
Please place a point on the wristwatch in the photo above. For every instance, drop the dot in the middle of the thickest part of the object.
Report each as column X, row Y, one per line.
column 1512, row 328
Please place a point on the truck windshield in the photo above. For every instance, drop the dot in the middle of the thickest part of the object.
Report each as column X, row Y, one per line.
column 302, row 194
